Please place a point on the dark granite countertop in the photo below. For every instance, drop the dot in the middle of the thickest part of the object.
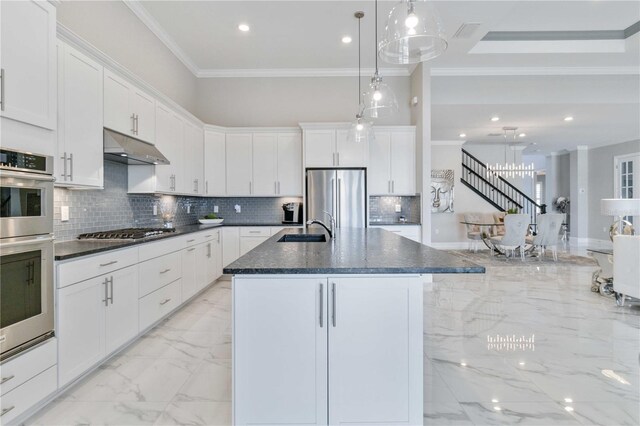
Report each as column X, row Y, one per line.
column 352, row 251
column 393, row 223
column 65, row 250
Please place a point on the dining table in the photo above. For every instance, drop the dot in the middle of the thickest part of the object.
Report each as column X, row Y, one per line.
column 486, row 236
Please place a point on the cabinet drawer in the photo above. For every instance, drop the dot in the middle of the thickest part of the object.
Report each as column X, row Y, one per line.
column 27, row 395
column 160, row 248
column 255, row 231
column 201, row 237
column 79, row 270
column 26, row 365
column 158, row 272
column 156, row 305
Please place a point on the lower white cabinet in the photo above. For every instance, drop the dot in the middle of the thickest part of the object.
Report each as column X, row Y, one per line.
column 412, row 232
column 324, row 350
column 230, row 245
column 95, row 317
column 161, row 302
column 25, row 396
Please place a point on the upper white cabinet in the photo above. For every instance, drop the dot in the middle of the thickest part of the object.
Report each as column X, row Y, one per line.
column 215, row 170
column 263, row 164
column 332, row 148
column 193, row 160
column 28, row 62
column 79, row 159
column 127, row 109
column 392, row 163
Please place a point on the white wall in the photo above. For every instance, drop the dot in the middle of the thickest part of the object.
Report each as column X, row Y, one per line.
column 113, row 28
column 288, row 101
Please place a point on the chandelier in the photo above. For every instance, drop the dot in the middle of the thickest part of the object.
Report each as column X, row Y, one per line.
column 511, row 170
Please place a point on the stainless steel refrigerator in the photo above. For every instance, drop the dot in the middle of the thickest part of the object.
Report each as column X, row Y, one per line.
column 341, row 192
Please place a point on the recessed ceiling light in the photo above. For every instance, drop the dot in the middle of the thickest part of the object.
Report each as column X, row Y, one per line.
column 497, row 408
column 463, row 135
column 569, row 118
column 243, row 27
column 569, row 409
column 522, row 135
column 569, row 400
column 346, row 39
column 496, row 118
column 123, row 155
column 463, row 364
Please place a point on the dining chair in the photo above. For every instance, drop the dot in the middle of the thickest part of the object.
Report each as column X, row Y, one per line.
column 474, row 233
column 548, row 235
column 498, row 218
column 515, row 234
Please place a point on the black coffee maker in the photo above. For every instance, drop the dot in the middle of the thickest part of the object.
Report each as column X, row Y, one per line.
column 292, row 213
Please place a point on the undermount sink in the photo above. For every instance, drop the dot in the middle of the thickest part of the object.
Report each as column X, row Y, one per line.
column 303, row 238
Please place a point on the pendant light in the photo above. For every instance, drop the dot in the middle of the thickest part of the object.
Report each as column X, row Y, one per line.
column 361, row 129
column 380, row 100
column 510, row 170
column 414, row 33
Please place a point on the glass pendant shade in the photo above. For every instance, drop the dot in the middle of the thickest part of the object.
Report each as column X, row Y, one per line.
column 379, row 99
column 414, row 33
column 360, row 131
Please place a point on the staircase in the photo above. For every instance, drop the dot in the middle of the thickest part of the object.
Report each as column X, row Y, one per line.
column 496, row 190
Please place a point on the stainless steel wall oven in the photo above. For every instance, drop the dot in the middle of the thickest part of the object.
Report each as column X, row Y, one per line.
column 26, row 250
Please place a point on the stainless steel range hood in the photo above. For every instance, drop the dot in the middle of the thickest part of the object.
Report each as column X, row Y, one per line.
column 125, row 149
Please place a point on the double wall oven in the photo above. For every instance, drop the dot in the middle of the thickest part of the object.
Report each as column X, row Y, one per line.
column 26, row 250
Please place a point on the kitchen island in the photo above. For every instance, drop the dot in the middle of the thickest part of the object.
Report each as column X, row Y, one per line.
column 331, row 332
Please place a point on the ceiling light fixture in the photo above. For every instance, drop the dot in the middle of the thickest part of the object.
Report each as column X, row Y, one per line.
column 496, row 118
column 463, row 135
column 522, row 135
column 244, row 28
column 569, row 118
column 361, row 129
column 414, row 33
column 346, row 39
column 380, row 100
column 510, row 170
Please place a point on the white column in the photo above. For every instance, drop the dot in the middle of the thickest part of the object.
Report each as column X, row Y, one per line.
column 579, row 198
column 551, row 181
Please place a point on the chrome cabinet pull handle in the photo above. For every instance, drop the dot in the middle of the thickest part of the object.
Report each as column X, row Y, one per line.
column 71, row 166
column 393, row 186
column 208, row 236
column 191, row 249
column 165, row 271
column 165, row 301
column 218, row 236
column 6, row 410
column 109, row 263
column 206, row 186
column 6, row 379
column 190, row 241
column 64, row 165
column 321, row 305
column 106, row 292
column 137, row 123
column 275, row 187
column 133, row 124
column 2, row 93
column 254, row 232
column 333, row 303
column 209, row 250
column 111, row 287
column 250, row 188
column 278, row 187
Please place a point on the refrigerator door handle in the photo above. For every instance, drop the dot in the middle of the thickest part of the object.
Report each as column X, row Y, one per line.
column 339, row 204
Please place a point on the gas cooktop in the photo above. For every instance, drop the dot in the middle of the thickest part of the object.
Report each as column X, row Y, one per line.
column 126, row 234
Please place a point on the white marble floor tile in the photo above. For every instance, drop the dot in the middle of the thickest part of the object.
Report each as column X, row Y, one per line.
column 210, row 382
column 441, row 414
column 196, row 413
column 606, row 413
column 520, row 413
column 99, row 413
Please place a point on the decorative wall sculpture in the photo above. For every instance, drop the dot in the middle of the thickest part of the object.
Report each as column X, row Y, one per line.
column 442, row 191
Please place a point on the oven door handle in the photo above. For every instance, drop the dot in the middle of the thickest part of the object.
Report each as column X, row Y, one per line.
column 27, row 176
column 28, row 242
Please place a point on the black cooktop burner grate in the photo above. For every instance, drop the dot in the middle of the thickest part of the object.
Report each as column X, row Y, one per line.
column 126, row 234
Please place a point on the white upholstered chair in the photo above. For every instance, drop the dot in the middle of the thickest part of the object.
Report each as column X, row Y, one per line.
column 548, row 235
column 516, row 227
column 474, row 233
column 498, row 218
column 626, row 267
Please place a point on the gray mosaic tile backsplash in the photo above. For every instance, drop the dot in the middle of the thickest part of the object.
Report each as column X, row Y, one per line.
column 382, row 209
column 112, row 207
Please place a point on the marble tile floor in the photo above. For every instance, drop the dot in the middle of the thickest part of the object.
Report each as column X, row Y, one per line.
column 520, row 345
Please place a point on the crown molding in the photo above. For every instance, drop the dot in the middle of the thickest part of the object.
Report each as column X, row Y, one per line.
column 506, row 71
column 298, row 72
column 136, row 7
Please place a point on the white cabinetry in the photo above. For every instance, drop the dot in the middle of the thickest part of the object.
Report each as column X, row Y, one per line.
column 239, row 163
column 392, row 163
column 412, row 232
column 193, row 169
column 265, row 164
column 215, row 169
column 79, row 159
column 127, row 109
column 280, row 351
column 347, row 347
column 289, row 164
column 28, row 63
column 332, row 148
column 230, row 244
column 95, row 317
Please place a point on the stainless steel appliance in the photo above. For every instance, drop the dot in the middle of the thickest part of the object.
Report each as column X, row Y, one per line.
column 128, row 150
column 340, row 192
column 126, row 234
column 26, row 250
column 292, row 213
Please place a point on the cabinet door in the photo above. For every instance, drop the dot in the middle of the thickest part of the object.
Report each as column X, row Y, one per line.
column 350, row 153
column 289, row 164
column 121, row 314
column 169, row 142
column 117, row 112
column 215, row 169
column 280, row 347
column 319, row 148
column 189, row 265
column 144, row 107
column 265, row 164
column 80, row 327
column 375, row 351
column 249, row 243
column 193, row 159
column 379, row 171
column 80, row 119
column 28, row 46
column 403, row 163
column 230, row 245
column 239, row 164
column 217, row 255
column 204, row 258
